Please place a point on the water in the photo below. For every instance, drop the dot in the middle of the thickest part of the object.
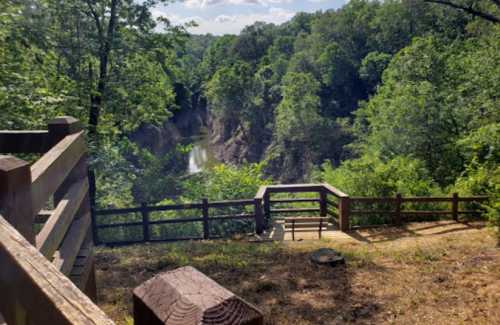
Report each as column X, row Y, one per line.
column 201, row 156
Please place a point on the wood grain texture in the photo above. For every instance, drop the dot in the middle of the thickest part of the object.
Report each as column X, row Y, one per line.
column 52, row 233
column 186, row 296
column 65, row 256
column 32, row 285
column 15, row 195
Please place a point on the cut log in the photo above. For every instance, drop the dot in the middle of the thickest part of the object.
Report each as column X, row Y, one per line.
column 187, row 296
column 327, row 256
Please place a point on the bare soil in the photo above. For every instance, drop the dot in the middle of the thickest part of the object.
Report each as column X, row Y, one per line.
column 423, row 273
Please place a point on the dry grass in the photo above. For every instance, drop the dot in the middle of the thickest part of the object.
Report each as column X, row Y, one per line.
column 403, row 276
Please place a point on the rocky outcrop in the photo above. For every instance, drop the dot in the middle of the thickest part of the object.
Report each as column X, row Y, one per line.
column 233, row 144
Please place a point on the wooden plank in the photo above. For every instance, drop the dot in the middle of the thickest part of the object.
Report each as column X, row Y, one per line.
column 232, row 217
column 49, row 172
column 335, row 191
column 179, row 220
column 293, row 200
column 294, row 188
column 294, row 210
column 32, row 285
column 52, row 233
column 186, row 206
column 83, row 264
column 122, row 224
column 299, row 225
column 474, row 198
column 108, row 212
column 304, row 219
column 15, row 195
column 24, row 141
column 65, row 257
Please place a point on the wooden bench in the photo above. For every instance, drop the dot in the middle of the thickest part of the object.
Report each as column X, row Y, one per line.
column 301, row 224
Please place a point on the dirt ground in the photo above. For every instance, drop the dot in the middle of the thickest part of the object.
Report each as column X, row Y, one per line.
column 422, row 273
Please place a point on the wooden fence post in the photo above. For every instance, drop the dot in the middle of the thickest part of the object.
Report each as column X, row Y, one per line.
column 61, row 127
column 259, row 220
column 206, row 226
column 397, row 210
column 145, row 222
column 344, row 213
column 267, row 207
column 322, row 203
column 92, row 195
column 454, row 206
column 15, row 195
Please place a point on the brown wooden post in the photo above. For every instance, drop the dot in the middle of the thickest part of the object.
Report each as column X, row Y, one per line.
column 267, row 207
column 397, row 210
column 320, row 227
column 322, row 203
column 15, row 195
column 61, row 127
column 259, row 218
column 454, row 206
column 93, row 216
column 145, row 222
column 206, row 226
column 344, row 213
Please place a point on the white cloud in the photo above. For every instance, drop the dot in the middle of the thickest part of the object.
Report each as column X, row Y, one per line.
column 206, row 3
column 233, row 24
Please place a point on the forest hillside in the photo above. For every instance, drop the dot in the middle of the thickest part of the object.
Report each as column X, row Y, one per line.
column 377, row 98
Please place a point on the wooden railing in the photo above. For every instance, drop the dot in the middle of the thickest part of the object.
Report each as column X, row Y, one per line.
column 398, row 214
column 146, row 223
column 331, row 202
column 42, row 272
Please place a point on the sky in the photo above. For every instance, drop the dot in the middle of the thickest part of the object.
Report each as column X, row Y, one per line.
column 220, row 17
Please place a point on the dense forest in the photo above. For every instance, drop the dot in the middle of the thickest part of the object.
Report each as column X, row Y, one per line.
column 376, row 98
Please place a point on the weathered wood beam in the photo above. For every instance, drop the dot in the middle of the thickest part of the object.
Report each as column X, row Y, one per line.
column 24, row 141
column 188, row 297
column 53, row 232
column 31, row 285
column 15, row 195
column 65, row 256
column 49, row 172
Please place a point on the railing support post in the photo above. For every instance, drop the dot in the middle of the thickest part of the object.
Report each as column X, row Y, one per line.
column 267, row 208
column 344, row 213
column 454, row 206
column 322, row 203
column 206, row 226
column 259, row 218
column 145, row 222
column 397, row 210
column 15, row 195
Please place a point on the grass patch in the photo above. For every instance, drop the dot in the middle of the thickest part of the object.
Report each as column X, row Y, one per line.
column 449, row 278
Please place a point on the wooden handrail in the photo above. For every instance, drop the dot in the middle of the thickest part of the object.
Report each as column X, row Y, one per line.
column 32, row 286
column 54, row 230
column 50, row 171
column 37, row 141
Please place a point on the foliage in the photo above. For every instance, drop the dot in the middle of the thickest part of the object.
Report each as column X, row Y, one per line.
column 369, row 175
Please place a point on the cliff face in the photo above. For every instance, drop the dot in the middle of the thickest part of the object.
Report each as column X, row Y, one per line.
column 234, row 144
column 185, row 123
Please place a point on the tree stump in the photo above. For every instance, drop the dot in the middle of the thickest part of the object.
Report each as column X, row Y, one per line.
column 187, row 296
column 327, row 256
